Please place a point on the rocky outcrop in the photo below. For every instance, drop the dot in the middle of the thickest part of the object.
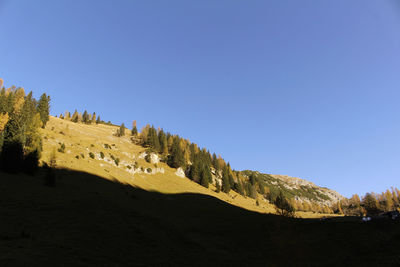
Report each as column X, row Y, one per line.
column 179, row 172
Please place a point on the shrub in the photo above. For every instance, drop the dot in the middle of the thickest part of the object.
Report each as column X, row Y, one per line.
column 147, row 158
column 136, row 165
column 149, row 170
column 116, row 161
column 91, row 155
column 129, row 167
column 77, row 156
column 61, row 149
column 82, row 156
column 101, row 154
column 107, row 146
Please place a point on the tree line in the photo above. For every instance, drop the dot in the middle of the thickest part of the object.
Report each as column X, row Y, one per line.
column 21, row 116
column 370, row 204
column 85, row 117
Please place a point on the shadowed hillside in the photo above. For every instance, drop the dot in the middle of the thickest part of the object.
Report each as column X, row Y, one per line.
column 89, row 221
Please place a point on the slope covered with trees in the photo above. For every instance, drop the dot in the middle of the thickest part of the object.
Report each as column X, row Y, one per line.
column 21, row 116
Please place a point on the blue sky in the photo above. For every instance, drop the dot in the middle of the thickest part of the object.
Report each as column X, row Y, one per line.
column 303, row 88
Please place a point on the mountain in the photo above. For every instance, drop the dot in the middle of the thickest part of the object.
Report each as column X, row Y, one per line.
column 96, row 149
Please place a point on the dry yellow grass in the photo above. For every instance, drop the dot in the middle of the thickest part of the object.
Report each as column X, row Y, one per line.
column 83, row 139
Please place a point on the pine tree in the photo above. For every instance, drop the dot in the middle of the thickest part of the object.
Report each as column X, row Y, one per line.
column 134, row 131
column 226, row 187
column 121, row 130
column 98, row 120
column 176, row 159
column 44, row 109
column 85, row 117
column 205, row 177
column 283, row 206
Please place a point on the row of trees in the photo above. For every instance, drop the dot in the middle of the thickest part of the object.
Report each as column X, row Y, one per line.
column 370, row 203
column 21, row 116
column 84, row 117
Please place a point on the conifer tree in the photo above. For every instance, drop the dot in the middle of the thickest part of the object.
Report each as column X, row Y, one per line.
column 205, row 177
column 226, row 187
column 44, row 108
column 283, row 206
column 121, row 130
column 176, row 159
column 85, row 117
column 134, row 131
column 98, row 120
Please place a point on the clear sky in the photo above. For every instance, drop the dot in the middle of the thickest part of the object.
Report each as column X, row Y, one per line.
column 303, row 88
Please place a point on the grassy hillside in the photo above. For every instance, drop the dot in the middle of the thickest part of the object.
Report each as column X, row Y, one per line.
column 86, row 220
column 82, row 140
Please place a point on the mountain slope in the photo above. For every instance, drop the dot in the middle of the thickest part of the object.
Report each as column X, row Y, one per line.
column 81, row 147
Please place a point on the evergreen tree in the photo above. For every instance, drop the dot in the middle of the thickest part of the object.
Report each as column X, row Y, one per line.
column 205, row 176
column 121, row 130
column 44, row 108
column 134, row 131
column 176, row 159
column 283, row 206
column 85, row 117
column 226, row 187
column 98, row 120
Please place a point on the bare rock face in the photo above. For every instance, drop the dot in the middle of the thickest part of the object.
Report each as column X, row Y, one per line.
column 179, row 172
column 143, row 155
column 154, row 158
column 295, row 183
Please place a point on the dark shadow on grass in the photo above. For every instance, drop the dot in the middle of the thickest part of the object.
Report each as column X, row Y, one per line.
column 88, row 220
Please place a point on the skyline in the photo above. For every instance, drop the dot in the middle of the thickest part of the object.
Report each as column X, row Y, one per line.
column 306, row 89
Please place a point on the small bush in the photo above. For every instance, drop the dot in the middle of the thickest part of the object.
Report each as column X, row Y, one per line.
column 116, row 161
column 107, row 146
column 102, row 155
column 149, row 170
column 61, row 149
column 129, row 167
column 77, row 156
column 147, row 158
column 82, row 156
column 91, row 155
column 136, row 165
column 91, row 145
column 142, row 169
column 112, row 157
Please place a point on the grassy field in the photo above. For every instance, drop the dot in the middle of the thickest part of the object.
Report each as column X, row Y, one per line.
column 86, row 220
